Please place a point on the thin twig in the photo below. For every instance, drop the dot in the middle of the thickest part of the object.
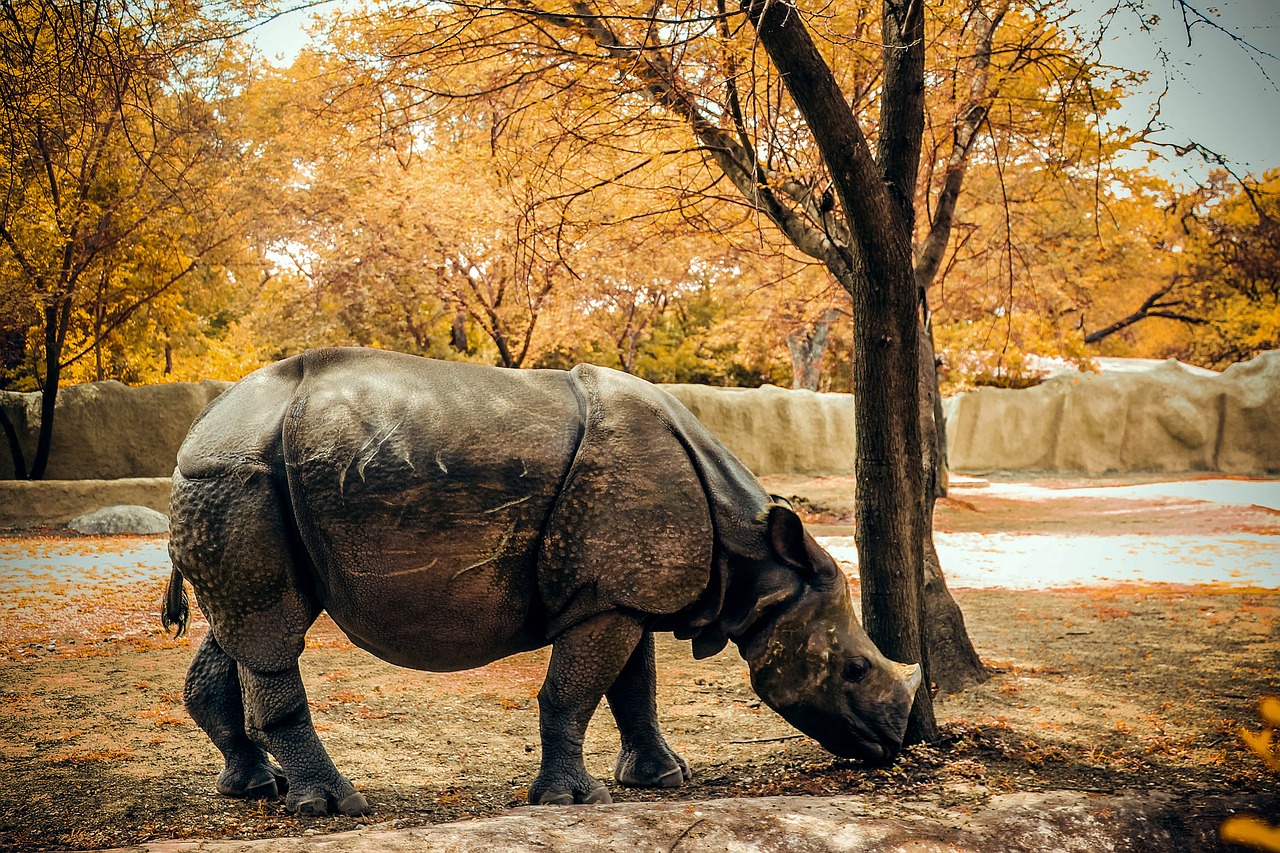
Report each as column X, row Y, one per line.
column 769, row 739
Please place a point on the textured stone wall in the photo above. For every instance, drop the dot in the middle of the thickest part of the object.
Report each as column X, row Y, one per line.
column 107, row 430
column 775, row 430
column 27, row 503
column 1168, row 419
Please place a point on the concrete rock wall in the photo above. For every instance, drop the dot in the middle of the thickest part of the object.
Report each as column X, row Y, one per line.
column 1167, row 419
column 107, row 430
column 27, row 503
column 776, row 430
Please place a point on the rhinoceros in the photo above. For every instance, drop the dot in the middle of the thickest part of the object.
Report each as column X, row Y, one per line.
column 447, row 515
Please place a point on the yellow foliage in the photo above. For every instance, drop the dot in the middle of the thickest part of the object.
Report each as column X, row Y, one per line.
column 465, row 182
column 1264, row 743
column 1250, row 830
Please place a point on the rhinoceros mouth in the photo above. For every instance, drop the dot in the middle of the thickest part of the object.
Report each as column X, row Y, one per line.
column 845, row 735
column 868, row 750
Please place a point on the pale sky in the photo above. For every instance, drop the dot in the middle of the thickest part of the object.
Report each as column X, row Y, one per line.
column 1222, row 94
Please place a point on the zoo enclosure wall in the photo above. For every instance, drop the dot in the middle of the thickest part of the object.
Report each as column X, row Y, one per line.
column 1163, row 420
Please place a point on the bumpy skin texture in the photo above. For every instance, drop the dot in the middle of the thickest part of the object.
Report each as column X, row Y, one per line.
column 447, row 515
column 213, row 699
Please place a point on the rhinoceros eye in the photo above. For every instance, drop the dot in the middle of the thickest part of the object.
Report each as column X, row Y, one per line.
column 856, row 669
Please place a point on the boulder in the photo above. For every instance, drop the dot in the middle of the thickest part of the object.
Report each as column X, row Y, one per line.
column 125, row 518
column 1249, row 428
column 1031, row 822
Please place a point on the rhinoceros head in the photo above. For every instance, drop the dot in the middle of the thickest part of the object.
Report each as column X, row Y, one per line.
column 811, row 661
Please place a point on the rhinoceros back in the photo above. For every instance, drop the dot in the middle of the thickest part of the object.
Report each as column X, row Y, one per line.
column 450, row 514
column 418, row 490
column 242, row 426
column 421, row 489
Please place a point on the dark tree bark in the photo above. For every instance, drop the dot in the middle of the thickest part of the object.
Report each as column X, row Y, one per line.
column 953, row 662
column 15, row 447
column 877, row 196
column 458, row 333
column 57, row 319
column 13, row 344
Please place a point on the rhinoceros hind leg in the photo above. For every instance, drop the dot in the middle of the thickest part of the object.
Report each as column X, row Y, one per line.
column 279, row 717
column 585, row 661
column 212, row 697
column 232, row 540
column 645, row 761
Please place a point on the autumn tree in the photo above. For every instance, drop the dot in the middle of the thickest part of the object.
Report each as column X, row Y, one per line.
column 1214, row 287
column 1140, row 267
column 703, row 69
column 110, row 152
column 405, row 225
column 687, row 85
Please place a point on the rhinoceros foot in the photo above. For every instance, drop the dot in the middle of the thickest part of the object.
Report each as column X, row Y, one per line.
column 261, row 781
column 564, row 789
column 316, row 802
column 658, row 768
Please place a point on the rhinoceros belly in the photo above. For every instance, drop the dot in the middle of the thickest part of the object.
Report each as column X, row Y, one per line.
column 421, row 491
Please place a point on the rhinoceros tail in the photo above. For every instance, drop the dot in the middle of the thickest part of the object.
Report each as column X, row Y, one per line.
column 174, row 610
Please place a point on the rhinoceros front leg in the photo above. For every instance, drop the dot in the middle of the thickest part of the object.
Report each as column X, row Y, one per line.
column 212, row 697
column 279, row 717
column 585, row 662
column 646, row 761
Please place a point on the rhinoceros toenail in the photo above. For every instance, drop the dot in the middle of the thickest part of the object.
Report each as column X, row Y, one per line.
column 313, row 807
column 598, row 797
column 354, row 805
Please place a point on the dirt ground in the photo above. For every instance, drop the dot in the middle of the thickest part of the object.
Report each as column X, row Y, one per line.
column 1098, row 690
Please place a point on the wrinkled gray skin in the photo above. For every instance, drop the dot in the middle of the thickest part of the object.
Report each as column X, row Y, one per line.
column 447, row 515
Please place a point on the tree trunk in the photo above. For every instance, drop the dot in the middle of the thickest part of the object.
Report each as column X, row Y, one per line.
column 953, row 662
column 15, row 447
column 943, row 478
column 876, row 196
column 97, row 341
column 458, row 333
column 56, row 318
column 807, row 347
column 891, row 523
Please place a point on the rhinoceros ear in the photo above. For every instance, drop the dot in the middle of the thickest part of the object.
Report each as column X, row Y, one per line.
column 793, row 547
column 735, row 625
column 786, row 536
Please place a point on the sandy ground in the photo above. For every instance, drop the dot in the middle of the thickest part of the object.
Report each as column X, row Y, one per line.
column 1103, row 687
